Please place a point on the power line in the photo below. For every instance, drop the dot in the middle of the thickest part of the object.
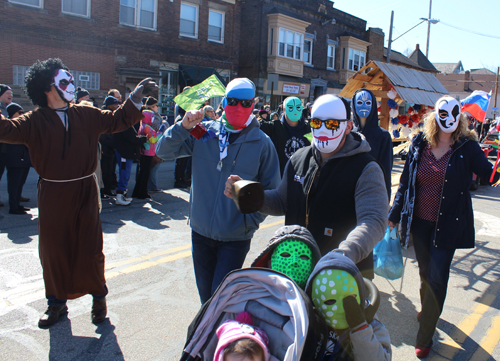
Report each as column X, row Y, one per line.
column 470, row 31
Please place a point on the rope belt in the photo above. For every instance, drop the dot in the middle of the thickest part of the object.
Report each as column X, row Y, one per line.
column 67, row 180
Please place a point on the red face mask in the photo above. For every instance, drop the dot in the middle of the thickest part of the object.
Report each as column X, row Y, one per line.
column 237, row 115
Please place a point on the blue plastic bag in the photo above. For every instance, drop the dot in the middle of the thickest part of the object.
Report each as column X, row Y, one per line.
column 388, row 256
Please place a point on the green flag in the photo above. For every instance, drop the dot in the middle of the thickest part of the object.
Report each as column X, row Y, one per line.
column 194, row 97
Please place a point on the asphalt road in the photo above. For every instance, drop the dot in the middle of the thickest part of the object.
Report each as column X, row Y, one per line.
column 153, row 298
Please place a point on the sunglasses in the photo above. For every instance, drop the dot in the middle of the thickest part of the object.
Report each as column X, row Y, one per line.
column 245, row 103
column 332, row 124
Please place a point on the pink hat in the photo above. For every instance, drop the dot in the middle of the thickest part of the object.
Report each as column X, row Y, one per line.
column 233, row 330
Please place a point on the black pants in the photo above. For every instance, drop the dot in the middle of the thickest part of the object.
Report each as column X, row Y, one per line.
column 108, row 171
column 3, row 158
column 141, row 186
column 181, row 165
column 434, row 268
column 16, row 177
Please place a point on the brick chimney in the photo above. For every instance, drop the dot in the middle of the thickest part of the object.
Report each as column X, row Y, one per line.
column 467, row 81
column 417, row 47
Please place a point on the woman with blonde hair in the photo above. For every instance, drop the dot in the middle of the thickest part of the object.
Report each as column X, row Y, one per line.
column 433, row 203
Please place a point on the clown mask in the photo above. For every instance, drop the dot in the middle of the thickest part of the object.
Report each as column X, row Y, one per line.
column 448, row 114
column 329, row 288
column 295, row 259
column 363, row 104
column 293, row 108
column 329, row 118
column 63, row 81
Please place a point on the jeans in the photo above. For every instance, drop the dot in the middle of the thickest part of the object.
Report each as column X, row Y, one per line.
column 434, row 269
column 153, row 176
column 53, row 301
column 213, row 260
column 124, row 173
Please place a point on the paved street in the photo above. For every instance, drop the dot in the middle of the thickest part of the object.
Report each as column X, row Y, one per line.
column 153, row 297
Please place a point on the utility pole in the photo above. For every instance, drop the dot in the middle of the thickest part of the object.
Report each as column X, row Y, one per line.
column 428, row 30
column 390, row 38
column 496, row 89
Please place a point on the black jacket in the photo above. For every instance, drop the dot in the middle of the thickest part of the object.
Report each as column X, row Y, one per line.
column 128, row 143
column 455, row 223
column 379, row 139
column 286, row 139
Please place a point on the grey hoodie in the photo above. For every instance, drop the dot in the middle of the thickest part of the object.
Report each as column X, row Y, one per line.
column 372, row 343
column 370, row 201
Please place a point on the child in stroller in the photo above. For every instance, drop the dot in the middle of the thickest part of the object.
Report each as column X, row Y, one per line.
column 277, row 305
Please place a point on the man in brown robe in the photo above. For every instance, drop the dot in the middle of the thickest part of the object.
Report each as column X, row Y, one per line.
column 62, row 139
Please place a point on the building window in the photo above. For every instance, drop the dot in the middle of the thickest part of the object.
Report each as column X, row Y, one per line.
column 18, row 74
column 271, row 41
column 308, row 47
column 216, row 26
column 140, row 13
column 330, row 60
column 34, row 3
column 356, row 60
column 76, row 7
column 189, row 20
column 86, row 79
column 290, row 44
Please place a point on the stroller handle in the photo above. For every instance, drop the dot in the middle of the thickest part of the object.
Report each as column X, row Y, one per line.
column 373, row 300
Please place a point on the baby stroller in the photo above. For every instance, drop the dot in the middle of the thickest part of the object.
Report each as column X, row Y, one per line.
column 277, row 305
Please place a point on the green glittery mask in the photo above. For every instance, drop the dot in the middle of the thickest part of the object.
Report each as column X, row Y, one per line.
column 295, row 259
column 329, row 288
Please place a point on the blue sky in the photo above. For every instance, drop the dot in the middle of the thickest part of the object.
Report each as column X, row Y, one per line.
column 447, row 44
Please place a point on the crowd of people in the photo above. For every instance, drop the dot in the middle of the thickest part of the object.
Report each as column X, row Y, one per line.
column 325, row 167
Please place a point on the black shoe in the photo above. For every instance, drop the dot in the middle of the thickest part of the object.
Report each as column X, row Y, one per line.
column 99, row 311
column 24, row 199
column 17, row 211
column 110, row 193
column 147, row 196
column 51, row 315
column 24, row 208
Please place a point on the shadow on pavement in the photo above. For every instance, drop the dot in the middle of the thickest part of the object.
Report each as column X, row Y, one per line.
column 65, row 346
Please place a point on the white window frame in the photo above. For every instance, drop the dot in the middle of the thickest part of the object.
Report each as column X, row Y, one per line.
column 137, row 15
column 197, row 21
column 330, row 53
column 286, row 33
column 310, row 51
column 76, row 14
column 40, row 3
column 351, row 59
column 223, row 20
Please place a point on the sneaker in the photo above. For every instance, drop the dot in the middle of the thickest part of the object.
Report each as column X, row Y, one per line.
column 422, row 351
column 127, row 198
column 122, row 201
column 155, row 190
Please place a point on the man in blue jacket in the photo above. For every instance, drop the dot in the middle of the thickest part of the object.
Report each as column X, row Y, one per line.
column 233, row 144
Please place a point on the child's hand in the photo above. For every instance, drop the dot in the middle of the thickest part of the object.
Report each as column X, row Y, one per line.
column 353, row 312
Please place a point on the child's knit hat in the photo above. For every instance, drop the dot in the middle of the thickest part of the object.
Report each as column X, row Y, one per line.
column 233, row 330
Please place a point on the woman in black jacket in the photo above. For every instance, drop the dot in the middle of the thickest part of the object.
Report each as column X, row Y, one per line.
column 434, row 204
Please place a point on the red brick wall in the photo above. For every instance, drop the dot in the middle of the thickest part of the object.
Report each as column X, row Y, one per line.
column 27, row 34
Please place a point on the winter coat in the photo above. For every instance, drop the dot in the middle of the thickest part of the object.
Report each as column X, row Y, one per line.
column 455, row 223
column 285, row 138
column 372, row 343
column 128, row 143
column 251, row 156
column 152, row 135
column 379, row 139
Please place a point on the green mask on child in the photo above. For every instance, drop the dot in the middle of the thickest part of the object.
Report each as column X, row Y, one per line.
column 295, row 259
column 329, row 288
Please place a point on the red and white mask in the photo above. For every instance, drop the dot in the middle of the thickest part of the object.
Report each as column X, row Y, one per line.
column 63, row 81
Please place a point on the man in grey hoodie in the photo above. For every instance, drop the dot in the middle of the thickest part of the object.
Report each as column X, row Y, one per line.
column 334, row 188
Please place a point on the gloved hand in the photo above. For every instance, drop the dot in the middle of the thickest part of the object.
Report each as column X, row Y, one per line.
column 353, row 313
column 144, row 88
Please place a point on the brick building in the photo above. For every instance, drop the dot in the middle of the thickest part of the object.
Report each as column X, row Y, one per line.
column 115, row 43
column 303, row 48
